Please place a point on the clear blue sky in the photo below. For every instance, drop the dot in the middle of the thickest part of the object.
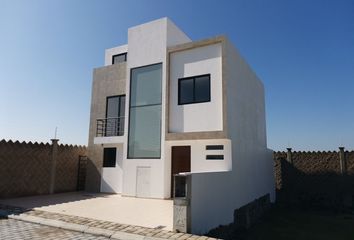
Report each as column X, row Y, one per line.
column 302, row 50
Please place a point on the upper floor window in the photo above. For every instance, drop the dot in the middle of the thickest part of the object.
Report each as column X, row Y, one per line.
column 115, row 112
column 194, row 89
column 119, row 58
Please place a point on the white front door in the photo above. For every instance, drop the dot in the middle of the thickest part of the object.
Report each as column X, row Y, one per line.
column 143, row 175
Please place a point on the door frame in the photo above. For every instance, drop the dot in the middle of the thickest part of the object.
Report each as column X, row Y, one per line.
column 173, row 171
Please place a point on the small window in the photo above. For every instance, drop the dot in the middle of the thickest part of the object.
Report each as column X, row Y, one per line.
column 215, row 157
column 214, row 147
column 119, row 58
column 109, row 157
column 194, row 89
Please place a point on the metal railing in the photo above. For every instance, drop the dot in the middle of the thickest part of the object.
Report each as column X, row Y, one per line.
column 109, row 127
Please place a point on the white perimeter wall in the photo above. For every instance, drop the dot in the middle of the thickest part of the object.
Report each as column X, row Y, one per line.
column 197, row 117
column 215, row 196
column 147, row 44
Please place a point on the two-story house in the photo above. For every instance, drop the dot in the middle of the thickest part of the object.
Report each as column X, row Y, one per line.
column 164, row 104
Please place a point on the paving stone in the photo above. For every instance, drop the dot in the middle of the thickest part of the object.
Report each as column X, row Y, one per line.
column 99, row 231
column 176, row 235
column 202, row 238
column 74, row 227
column 126, row 236
column 11, row 229
column 185, row 236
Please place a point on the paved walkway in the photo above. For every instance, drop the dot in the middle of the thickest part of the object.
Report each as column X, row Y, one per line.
column 93, row 226
column 149, row 213
column 11, row 229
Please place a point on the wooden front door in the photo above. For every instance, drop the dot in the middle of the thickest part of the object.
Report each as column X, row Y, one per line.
column 181, row 162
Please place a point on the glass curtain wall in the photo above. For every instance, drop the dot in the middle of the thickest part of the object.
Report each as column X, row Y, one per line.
column 144, row 139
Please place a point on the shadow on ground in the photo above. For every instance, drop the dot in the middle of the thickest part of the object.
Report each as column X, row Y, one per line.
column 293, row 224
column 48, row 200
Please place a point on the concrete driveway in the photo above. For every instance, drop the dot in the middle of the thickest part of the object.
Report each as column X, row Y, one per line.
column 150, row 213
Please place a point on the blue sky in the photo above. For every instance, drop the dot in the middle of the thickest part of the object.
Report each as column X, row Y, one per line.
column 302, row 50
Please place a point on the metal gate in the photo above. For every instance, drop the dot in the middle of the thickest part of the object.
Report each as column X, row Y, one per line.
column 81, row 173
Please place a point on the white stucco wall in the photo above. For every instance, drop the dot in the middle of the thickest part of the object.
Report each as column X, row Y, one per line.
column 215, row 196
column 147, row 45
column 192, row 117
column 199, row 163
column 112, row 177
column 114, row 51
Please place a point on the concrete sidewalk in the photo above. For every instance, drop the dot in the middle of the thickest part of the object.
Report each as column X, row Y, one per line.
column 150, row 213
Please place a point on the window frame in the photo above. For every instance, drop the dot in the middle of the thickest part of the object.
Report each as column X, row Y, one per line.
column 194, row 78
column 115, row 158
column 120, row 115
column 214, row 147
column 212, row 157
column 130, row 107
column 119, row 102
column 120, row 54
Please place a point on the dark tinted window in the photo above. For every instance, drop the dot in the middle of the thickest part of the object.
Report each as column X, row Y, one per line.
column 186, row 90
column 202, row 89
column 115, row 110
column 119, row 58
column 214, row 157
column 112, row 110
column 194, row 89
column 109, row 157
column 215, row 147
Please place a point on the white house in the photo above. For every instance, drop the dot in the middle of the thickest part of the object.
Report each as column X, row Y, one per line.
column 164, row 104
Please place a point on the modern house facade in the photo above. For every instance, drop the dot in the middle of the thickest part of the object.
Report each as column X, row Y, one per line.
column 164, row 105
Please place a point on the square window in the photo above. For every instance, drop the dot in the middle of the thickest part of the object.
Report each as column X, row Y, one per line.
column 109, row 157
column 194, row 89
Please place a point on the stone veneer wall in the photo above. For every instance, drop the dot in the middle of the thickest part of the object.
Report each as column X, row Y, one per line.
column 314, row 179
column 25, row 168
column 107, row 81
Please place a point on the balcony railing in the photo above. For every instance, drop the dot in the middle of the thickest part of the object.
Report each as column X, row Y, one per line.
column 109, row 127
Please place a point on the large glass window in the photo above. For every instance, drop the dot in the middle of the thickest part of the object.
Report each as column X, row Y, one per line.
column 194, row 89
column 145, row 112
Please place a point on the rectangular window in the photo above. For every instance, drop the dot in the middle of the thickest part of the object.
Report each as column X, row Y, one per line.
column 119, row 58
column 144, row 140
column 214, row 157
column 194, row 89
column 214, row 147
column 109, row 157
column 115, row 112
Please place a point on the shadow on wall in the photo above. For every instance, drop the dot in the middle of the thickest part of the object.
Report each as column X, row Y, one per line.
column 93, row 177
column 315, row 180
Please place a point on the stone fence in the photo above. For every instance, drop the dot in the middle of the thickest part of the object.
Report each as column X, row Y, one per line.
column 38, row 168
column 315, row 179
